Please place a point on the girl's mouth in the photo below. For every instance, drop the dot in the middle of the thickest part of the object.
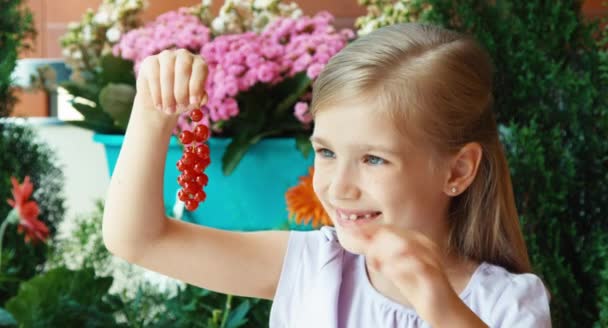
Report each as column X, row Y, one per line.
column 351, row 218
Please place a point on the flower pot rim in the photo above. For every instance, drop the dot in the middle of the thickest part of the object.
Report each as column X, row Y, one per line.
column 117, row 139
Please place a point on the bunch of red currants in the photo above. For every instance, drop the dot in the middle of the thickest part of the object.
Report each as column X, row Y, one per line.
column 193, row 163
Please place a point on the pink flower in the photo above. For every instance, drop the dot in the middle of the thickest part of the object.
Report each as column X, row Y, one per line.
column 302, row 113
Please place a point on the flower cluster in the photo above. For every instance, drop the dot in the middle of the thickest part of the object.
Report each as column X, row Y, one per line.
column 174, row 29
column 388, row 12
column 286, row 47
column 238, row 16
column 87, row 41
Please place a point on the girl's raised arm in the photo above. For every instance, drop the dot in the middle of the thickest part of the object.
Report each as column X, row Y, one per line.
column 134, row 224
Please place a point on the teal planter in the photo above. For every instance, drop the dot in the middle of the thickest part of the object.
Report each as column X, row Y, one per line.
column 113, row 144
column 251, row 198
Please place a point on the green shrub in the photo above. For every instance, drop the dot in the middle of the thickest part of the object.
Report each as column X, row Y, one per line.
column 16, row 29
column 23, row 153
column 63, row 298
column 551, row 92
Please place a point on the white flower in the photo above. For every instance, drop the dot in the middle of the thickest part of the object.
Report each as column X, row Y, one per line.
column 113, row 34
column 77, row 54
column 102, row 18
column 87, row 33
column 218, row 24
column 262, row 4
column 206, row 3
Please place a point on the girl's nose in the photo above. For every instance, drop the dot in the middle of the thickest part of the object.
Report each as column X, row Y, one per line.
column 344, row 184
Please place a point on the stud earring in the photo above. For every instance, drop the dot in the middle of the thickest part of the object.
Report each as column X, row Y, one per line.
column 454, row 190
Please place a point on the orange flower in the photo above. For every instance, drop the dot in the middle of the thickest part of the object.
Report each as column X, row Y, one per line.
column 27, row 210
column 304, row 206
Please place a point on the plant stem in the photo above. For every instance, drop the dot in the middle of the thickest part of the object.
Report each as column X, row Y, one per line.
column 227, row 308
column 2, row 229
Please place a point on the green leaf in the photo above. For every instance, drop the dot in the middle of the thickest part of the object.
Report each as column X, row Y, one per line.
column 87, row 91
column 235, row 152
column 6, row 318
column 295, row 88
column 303, row 144
column 239, row 147
column 237, row 316
column 116, row 70
column 93, row 114
column 63, row 298
column 116, row 99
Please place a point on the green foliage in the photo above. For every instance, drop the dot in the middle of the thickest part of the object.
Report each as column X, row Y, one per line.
column 196, row 307
column 82, row 248
column 108, row 92
column 63, row 298
column 16, row 32
column 552, row 104
column 23, row 153
column 263, row 117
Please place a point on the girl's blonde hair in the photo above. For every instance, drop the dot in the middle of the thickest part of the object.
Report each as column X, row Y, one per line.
column 437, row 85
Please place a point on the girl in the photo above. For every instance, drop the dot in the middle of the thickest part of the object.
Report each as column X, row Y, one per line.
column 408, row 166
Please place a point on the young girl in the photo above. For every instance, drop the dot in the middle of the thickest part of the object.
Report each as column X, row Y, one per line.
column 408, row 166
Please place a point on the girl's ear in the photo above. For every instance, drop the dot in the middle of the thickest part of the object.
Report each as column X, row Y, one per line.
column 463, row 169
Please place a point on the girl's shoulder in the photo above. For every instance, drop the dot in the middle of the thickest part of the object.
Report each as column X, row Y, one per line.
column 504, row 297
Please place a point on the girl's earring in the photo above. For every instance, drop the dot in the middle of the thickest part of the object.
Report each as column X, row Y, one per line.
column 454, row 190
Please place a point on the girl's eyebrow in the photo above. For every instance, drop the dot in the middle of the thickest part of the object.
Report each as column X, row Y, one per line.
column 361, row 147
column 318, row 140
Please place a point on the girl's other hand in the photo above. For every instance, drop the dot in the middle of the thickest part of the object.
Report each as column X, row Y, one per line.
column 413, row 263
column 172, row 82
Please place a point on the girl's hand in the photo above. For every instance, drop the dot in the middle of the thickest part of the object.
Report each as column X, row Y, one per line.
column 413, row 263
column 172, row 82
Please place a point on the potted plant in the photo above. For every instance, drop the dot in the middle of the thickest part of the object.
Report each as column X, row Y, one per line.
column 263, row 58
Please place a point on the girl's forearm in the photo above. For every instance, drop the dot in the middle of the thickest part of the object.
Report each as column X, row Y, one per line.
column 134, row 211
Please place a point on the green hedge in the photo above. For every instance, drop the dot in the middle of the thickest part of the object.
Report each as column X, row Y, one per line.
column 16, row 29
column 23, row 153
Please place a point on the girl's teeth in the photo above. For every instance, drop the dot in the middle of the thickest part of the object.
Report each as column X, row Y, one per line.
column 367, row 216
column 344, row 216
column 353, row 217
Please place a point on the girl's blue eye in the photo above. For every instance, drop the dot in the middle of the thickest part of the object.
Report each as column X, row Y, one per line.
column 325, row 153
column 374, row 160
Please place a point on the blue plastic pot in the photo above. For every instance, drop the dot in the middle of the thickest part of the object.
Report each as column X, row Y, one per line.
column 251, row 198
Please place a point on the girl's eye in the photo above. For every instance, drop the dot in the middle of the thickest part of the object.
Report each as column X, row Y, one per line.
column 374, row 160
column 325, row 153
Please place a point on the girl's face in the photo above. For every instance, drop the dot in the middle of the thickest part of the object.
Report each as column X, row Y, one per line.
column 367, row 174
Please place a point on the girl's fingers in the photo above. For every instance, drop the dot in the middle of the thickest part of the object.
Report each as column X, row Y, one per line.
column 167, row 77
column 197, row 82
column 183, row 71
column 151, row 68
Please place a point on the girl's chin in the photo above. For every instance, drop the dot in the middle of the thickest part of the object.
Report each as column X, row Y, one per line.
column 350, row 243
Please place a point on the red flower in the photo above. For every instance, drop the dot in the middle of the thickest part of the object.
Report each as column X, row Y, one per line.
column 28, row 211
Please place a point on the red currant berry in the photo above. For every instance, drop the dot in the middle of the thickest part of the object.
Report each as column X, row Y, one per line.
column 181, row 180
column 191, row 187
column 189, row 158
column 196, row 115
column 183, row 196
column 191, row 205
column 202, row 151
column 189, row 174
column 201, row 133
column 186, row 137
column 202, row 179
column 201, row 165
column 181, row 166
column 200, row 196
